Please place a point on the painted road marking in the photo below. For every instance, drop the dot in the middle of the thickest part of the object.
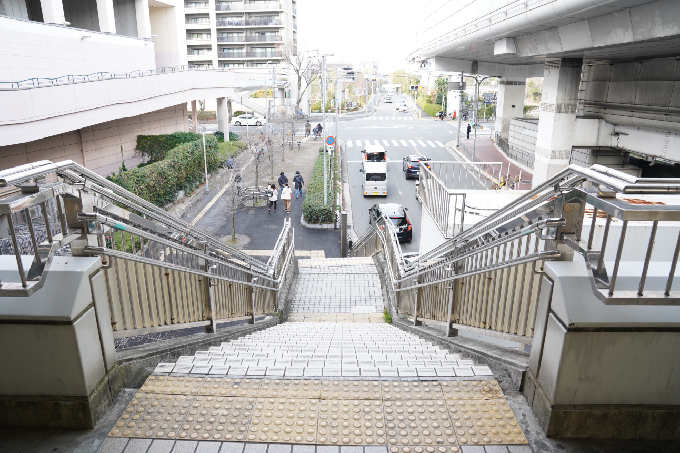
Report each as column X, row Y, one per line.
column 403, row 142
column 385, row 143
column 422, row 144
column 430, row 143
column 412, row 143
column 394, row 142
column 439, row 143
column 349, row 143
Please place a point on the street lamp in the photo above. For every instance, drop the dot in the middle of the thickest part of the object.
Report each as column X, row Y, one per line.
column 323, row 89
column 205, row 159
column 266, row 97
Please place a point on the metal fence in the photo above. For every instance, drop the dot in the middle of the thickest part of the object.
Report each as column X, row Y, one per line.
column 487, row 278
column 160, row 270
column 518, row 155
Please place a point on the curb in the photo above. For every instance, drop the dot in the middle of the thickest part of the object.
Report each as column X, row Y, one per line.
column 316, row 226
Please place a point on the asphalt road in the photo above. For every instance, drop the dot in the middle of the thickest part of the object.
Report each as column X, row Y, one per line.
column 401, row 134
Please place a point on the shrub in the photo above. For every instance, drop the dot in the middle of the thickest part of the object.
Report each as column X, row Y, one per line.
column 233, row 137
column 238, row 112
column 182, row 169
column 154, row 147
column 230, row 149
column 313, row 208
column 388, row 316
column 429, row 108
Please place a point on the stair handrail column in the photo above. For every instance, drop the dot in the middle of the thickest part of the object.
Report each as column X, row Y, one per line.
column 253, row 290
column 450, row 331
column 208, row 298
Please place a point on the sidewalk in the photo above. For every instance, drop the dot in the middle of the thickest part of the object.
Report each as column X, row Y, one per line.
column 486, row 151
column 263, row 228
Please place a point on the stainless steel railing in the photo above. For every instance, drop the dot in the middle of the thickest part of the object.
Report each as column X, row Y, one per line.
column 515, row 154
column 160, row 270
column 486, row 278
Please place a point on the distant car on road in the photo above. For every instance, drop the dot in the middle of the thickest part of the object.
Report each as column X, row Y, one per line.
column 247, row 119
column 375, row 153
column 402, row 107
column 388, row 100
column 411, row 165
column 397, row 214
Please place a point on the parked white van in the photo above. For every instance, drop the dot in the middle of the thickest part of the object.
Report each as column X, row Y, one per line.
column 375, row 178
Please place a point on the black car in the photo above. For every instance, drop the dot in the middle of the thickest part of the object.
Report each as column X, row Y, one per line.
column 397, row 214
column 411, row 165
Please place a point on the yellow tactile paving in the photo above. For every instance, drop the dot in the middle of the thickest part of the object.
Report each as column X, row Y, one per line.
column 412, row 390
column 471, row 390
column 407, row 416
column 153, row 416
column 287, row 420
column 281, row 388
column 355, row 390
column 351, row 422
column 485, row 422
column 218, row 418
column 418, row 423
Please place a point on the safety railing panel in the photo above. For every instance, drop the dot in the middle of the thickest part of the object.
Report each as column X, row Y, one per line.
column 487, row 277
column 160, row 270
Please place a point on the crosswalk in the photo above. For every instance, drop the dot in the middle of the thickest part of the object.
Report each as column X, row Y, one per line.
column 420, row 143
column 385, row 118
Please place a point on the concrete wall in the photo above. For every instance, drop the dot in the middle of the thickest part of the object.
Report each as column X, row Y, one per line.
column 170, row 41
column 31, row 49
column 523, row 133
column 81, row 14
column 126, row 17
column 102, row 143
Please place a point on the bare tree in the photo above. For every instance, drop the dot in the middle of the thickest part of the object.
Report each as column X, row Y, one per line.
column 306, row 66
column 201, row 106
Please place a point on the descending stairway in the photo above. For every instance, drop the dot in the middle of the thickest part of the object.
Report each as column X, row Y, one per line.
column 335, row 377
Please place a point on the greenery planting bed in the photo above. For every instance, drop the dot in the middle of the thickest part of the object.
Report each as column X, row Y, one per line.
column 313, row 209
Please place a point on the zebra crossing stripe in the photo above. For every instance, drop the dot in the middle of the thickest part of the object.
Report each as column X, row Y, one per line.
column 385, row 143
column 394, row 142
column 422, row 144
column 439, row 144
column 359, row 143
column 412, row 143
column 403, row 142
column 430, row 143
column 349, row 144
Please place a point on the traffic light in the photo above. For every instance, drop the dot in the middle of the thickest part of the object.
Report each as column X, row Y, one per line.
column 414, row 87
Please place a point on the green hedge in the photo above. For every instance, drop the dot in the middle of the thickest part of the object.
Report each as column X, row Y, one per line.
column 313, row 208
column 182, row 169
column 155, row 147
column 429, row 108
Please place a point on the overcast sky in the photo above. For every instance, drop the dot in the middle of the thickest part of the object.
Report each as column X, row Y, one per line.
column 359, row 30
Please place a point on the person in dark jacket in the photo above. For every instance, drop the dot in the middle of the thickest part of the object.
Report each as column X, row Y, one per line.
column 469, row 129
column 299, row 182
column 283, row 180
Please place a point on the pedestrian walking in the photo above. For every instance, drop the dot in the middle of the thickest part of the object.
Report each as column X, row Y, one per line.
column 238, row 179
column 273, row 195
column 286, row 196
column 469, row 129
column 299, row 182
column 283, row 180
column 308, row 128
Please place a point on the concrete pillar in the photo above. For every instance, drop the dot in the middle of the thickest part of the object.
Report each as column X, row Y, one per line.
column 143, row 22
column 510, row 103
column 280, row 99
column 107, row 20
column 223, row 117
column 557, row 117
column 52, row 11
column 194, row 117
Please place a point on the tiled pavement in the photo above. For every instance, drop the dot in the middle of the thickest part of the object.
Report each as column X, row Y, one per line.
column 326, row 386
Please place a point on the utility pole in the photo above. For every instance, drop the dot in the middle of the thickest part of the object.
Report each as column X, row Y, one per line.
column 274, row 89
column 460, row 105
column 325, row 164
column 474, row 142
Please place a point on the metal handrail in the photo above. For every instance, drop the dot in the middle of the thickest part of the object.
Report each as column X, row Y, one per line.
column 37, row 82
column 484, row 277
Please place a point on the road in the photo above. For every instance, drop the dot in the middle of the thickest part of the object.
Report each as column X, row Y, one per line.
column 401, row 134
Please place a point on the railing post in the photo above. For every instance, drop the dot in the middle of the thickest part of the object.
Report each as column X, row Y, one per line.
column 253, row 291
column 343, row 235
column 450, row 331
column 416, row 321
column 209, row 304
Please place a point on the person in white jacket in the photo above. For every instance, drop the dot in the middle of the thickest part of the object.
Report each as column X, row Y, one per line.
column 286, row 196
column 273, row 196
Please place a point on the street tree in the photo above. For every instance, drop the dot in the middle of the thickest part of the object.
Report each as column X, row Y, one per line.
column 306, row 66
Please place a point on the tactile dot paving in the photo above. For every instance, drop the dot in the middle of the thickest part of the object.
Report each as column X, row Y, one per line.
column 280, row 388
column 418, row 423
column 219, row 418
column 284, row 420
column 153, row 416
column 411, row 390
column 351, row 390
column 172, row 385
column 485, row 422
column 351, row 422
column 472, row 390
column 428, row 449
column 229, row 387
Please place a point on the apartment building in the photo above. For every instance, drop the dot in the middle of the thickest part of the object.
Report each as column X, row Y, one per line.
column 239, row 33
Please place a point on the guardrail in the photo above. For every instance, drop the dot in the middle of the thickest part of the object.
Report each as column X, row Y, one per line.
column 258, row 6
column 160, row 270
column 515, row 154
column 486, row 278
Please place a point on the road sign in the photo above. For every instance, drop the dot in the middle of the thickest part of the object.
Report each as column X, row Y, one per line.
column 330, row 148
column 330, row 140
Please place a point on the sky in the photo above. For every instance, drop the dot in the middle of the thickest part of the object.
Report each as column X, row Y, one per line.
column 359, row 30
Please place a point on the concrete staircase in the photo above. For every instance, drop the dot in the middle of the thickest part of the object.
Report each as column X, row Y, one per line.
column 328, row 377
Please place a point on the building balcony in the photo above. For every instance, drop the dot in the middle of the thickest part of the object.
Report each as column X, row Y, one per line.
column 199, row 52
column 198, row 21
column 250, row 38
column 198, row 38
column 294, row 12
column 249, row 22
column 232, row 55
column 196, row 5
column 273, row 54
column 259, row 6
column 239, row 39
column 294, row 26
